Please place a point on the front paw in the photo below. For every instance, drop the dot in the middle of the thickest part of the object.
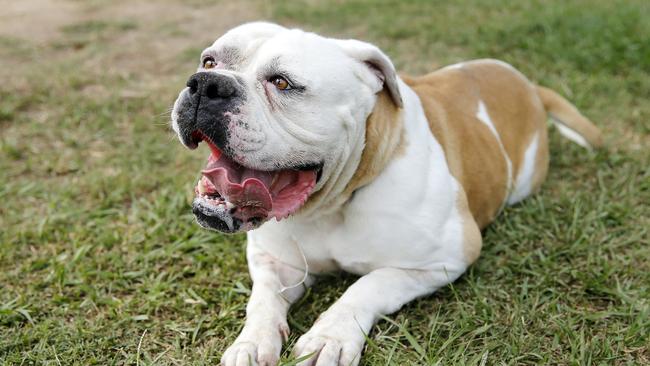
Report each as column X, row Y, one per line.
column 256, row 347
column 333, row 342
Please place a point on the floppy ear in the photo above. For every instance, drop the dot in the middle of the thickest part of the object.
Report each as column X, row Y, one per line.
column 377, row 62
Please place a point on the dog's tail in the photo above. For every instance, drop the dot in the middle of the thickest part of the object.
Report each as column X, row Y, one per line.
column 568, row 119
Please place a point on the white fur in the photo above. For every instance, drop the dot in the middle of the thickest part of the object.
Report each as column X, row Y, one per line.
column 403, row 233
column 483, row 116
column 399, row 254
column 524, row 183
column 572, row 135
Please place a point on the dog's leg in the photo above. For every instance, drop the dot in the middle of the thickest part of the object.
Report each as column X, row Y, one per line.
column 338, row 336
column 260, row 341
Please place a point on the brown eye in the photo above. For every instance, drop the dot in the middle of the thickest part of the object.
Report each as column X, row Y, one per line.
column 280, row 83
column 209, row 63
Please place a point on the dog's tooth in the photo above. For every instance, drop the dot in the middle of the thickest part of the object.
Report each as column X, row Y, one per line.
column 201, row 188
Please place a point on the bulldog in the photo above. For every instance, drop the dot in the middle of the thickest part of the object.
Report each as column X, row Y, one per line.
column 331, row 161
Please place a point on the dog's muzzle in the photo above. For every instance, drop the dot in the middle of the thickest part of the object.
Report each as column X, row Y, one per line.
column 210, row 97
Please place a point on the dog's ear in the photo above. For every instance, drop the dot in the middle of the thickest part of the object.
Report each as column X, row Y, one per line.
column 377, row 62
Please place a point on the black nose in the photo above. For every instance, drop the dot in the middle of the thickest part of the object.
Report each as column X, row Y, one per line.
column 212, row 85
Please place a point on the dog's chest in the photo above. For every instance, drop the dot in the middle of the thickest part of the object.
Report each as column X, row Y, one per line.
column 352, row 245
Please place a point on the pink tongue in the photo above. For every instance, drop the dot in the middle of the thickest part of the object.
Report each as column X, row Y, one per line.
column 251, row 195
column 258, row 193
column 290, row 196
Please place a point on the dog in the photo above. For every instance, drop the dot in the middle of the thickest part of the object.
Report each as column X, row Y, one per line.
column 331, row 161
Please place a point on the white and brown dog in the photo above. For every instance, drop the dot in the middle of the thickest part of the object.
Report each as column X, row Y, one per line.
column 385, row 177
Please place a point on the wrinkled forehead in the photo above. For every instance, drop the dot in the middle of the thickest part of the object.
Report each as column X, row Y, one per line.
column 259, row 44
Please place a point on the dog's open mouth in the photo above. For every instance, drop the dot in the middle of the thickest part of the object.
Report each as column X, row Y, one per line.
column 231, row 197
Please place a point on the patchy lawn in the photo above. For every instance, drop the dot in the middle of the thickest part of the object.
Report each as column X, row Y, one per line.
column 102, row 263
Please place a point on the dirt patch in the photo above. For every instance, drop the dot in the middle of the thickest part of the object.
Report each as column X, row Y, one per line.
column 165, row 30
column 142, row 39
column 36, row 21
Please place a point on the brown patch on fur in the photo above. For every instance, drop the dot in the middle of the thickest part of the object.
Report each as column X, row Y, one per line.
column 513, row 106
column 450, row 99
column 385, row 139
column 472, row 241
column 450, row 104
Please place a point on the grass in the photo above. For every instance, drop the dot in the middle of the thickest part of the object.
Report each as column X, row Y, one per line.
column 102, row 263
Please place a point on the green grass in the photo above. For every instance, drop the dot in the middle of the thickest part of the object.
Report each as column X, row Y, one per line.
column 102, row 263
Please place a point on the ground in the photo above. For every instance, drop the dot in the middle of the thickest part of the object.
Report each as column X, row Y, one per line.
column 101, row 261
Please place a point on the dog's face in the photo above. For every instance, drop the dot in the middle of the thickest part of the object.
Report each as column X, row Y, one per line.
column 280, row 110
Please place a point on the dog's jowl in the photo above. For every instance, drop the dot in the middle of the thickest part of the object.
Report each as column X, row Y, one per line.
column 331, row 161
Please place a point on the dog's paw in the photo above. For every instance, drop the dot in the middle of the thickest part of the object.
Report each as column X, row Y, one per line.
column 331, row 342
column 328, row 351
column 259, row 347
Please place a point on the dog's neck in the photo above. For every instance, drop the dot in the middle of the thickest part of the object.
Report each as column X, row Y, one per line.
column 382, row 139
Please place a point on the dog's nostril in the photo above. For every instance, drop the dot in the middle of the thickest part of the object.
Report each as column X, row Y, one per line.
column 212, row 91
column 193, row 84
column 219, row 88
column 211, row 85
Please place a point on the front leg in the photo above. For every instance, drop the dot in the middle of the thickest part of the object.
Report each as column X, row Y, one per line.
column 338, row 336
column 260, row 341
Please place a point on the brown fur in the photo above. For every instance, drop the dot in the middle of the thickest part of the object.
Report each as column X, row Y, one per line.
column 385, row 139
column 450, row 100
column 518, row 110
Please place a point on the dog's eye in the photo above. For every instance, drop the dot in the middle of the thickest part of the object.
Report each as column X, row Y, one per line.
column 280, row 82
column 209, row 63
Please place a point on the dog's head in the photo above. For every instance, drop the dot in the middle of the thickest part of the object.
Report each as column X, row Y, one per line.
column 281, row 110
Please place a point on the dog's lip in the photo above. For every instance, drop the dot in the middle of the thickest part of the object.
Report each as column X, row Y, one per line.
column 195, row 139
column 215, row 217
